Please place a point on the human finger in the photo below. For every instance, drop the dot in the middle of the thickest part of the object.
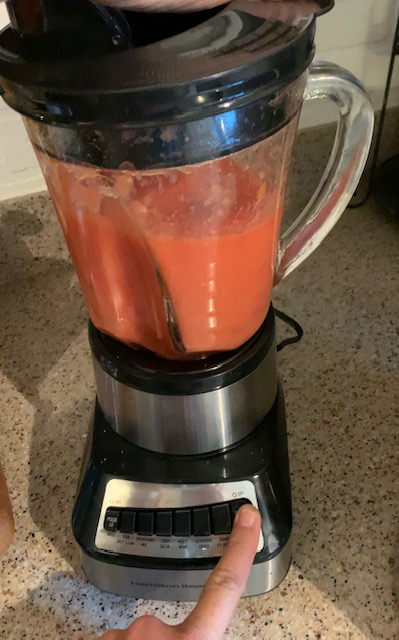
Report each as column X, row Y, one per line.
column 226, row 584
column 145, row 627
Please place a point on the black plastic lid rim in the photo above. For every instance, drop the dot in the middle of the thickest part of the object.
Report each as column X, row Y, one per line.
column 231, row 59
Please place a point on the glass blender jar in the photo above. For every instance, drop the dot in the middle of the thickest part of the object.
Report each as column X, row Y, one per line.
column 169, row 182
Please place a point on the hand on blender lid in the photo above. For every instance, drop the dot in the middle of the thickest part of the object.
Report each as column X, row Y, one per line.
column 314, row 6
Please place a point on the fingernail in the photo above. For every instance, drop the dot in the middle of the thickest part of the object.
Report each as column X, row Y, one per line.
column 246, row 516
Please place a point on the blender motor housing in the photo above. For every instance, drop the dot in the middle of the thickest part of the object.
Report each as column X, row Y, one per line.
column 152, row 522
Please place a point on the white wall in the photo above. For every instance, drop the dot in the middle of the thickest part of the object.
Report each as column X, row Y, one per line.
column 19, row 171
column 357, row 34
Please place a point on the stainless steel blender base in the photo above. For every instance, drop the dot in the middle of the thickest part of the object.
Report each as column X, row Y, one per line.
column 172, row 585
column 153, row 524
column 186, row 407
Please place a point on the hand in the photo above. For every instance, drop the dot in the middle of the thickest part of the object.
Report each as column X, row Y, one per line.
column 6, row 516
column 167, row 5
column 220, row 595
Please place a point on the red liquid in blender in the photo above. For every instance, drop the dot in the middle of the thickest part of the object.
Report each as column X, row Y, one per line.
column 208, row 231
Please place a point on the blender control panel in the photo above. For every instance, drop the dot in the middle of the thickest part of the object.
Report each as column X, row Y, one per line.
column 170, row 521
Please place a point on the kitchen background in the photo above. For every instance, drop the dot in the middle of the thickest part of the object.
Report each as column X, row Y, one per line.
column 341, row 384
column 357, row 35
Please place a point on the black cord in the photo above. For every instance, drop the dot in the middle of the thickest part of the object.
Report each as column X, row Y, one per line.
column 292, row 323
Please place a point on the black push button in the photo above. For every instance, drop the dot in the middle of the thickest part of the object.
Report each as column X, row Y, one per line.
column 221, row 520
column 145, row 523
column 182, row 524
column 236, row 504
column 163, row 523
column 127, row 521
column 111, row 520
column 201, row 522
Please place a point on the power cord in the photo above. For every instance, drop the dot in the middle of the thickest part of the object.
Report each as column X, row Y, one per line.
column 292, row 323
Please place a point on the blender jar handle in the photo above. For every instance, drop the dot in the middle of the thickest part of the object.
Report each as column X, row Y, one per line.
column 344, row 169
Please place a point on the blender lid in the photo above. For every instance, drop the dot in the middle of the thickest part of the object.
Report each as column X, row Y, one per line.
column 87, row 63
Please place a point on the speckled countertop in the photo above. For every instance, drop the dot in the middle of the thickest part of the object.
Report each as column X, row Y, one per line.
column 342, row 394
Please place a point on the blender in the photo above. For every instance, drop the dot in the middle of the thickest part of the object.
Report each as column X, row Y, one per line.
column 165, row 141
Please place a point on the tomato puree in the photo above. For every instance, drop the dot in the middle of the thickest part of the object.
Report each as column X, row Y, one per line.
column 202, row 240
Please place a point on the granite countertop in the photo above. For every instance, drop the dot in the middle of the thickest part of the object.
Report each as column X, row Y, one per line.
column 342, row 395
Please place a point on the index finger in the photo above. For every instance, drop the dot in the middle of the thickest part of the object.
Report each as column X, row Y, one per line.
column 226, row 584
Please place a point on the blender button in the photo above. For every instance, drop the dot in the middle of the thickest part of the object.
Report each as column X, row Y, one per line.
column 127, row 521
column 163, row 523
column 221, row 520
column 182, row 522
column 111, row 520
column 145, row 523
column 236, row 504
column 201, row 522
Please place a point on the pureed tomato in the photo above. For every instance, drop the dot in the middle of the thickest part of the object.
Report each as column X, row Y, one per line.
column 210, row 230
